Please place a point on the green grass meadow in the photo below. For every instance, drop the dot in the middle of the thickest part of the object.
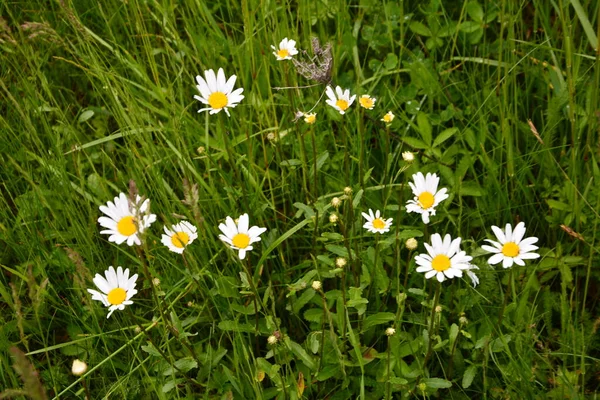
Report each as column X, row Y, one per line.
column 499, row 98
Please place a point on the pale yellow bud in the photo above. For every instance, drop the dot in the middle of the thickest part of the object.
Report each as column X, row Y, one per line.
column 317, row 285
column 390, row 331
column 411, row 243
column 79, row 368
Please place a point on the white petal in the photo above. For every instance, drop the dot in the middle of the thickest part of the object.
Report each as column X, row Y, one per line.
column 529, row 256
column 507, row 262
column 499, row 234
column 519, row 232
column 490, row 249
column 430, row 274
column 496, row 258
column 243, row 222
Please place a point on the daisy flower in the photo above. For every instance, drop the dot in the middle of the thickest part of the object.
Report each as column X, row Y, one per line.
column 238, row 236
column 474, row 278
column 340, row 100
column 117, row 289
column 310, row 118
column 367, row 101
column 511, row 247
column 179, row 237
column 375, row 223
column 125, row 220
column 388, row 118
column 287, row 49
column 427, row 197
column 444, row 260
column 216, row 91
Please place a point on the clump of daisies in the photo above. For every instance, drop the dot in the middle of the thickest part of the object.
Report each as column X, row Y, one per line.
column 427, row 196
column 511, row 247
column 287, row 49
column 116, row 289
column 375, row 223
column 179, row 237
column 126, row 220
column 217, row 92
column 444, row 259
column 238, row 235
column 340, row 99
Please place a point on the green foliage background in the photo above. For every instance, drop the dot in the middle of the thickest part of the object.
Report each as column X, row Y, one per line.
column 500, row 98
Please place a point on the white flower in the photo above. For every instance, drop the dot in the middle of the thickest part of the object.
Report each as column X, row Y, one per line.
column 340, row 262
column 217, row 92
column 445, row 259
column 126, row 221
column 117, row 289
column 474, row 278
column 310, row 118
column 317, row 285
column 388, row 118
column 408, row 156
column 340, row 100
column 390, row 331
column 287, row 49
column 367, row 101
column 375, row 223
column 179, row 236
column 272, row 340
column 239, row 237
column 79, row 367
column 427, row 197
column 511, row 247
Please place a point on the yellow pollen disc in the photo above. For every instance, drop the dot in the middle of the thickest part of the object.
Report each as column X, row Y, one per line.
column 426, row 200
column 378, row 223
column 310, row 119
column 342, row 104
column 241, row 240
column 217, row 100
column 387, row 118
column 126, row 226
column 180, row 239
column 283, row 53
column 440, row 263
column 510, row 249
column 366, row 102
column 117, row 296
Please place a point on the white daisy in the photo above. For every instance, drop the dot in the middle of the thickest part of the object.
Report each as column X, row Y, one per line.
column 287, row 49
column 340, row 100
column 179, row 237
column 427, row 197
column 117, row 289
column 126, row 220
column 474, row 278
column 445, row 259
column 375, row 223
column 239, row 237
column 367, row 101
column 388, row 117
column 217, row 92
column 511, row 247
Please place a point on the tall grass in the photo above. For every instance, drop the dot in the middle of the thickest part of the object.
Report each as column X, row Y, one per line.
column 498, row 98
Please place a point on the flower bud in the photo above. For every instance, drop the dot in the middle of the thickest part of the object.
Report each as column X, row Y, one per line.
column 411, row 243
column 317, row 285
column 79, row 368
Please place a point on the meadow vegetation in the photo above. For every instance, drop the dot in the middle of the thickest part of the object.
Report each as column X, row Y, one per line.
column 499, row 99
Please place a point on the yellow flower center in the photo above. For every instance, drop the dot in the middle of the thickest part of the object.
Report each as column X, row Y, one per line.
column 366, row 102
column 510, row 249
column 388, row 117
column 217, row 100
column 126, row 226
column 342, row 104
column 283, row 53
column 378, row 223
column 241, row 240
column 426, row 200
column 117, row 296
column 180, row 239
column 310, row 119
column 440, row 263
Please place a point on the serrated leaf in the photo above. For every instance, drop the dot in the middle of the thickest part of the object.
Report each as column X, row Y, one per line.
column 444, row 135
column 468, row 376
column 150, row 349
column 378, row 319
column 424, row 128
column 437, row 383
column 314, row 315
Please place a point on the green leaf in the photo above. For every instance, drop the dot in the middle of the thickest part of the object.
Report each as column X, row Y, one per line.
column 182, row 365
column 424, row 128
column 409, row 233
column 453, row 334
column 469, row 26
column 226, row 286
column 84, row 116
column 302, row 354
column 306, row 296
column 414, row 143
column 290, row 163
column 150, row 349
column 378, row 319
column 419, row 28
column 314, row 315
column 444, row 135
column 558, row 205
column 471, row 188
column 468, row 376
column 475, row 11
column 338, row 250
column 437, row 383
column 332, row 236
column 391, row 61
column 395, row 380
column 235, row 326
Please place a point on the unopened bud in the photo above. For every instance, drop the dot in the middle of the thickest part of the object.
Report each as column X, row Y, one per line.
column 390, row 331
column 348, row 191
column 333, row 218
column 408, row 156
column 272, row 340
column 317, row 285
column 340, row 262
column 336, row 202
column 411, row 243
column 79, row 368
